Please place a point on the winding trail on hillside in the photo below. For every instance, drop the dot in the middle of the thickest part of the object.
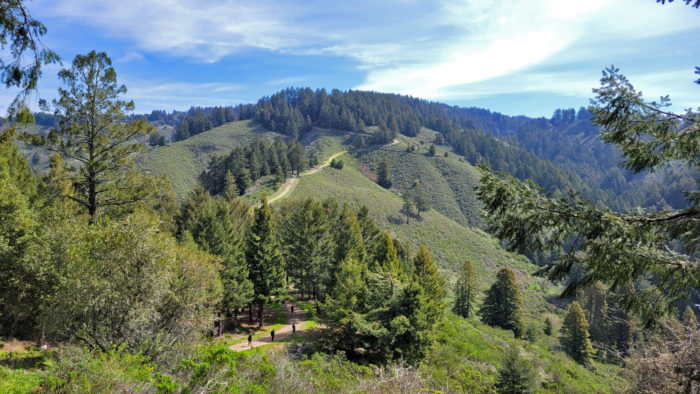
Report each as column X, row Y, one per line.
column 286, row 188
column 297, row 318
column 289, row 183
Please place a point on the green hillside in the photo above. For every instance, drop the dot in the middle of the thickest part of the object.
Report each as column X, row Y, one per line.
column 183, row 161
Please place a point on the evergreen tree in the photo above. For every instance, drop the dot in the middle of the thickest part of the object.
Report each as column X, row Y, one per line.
column 384, row 174
column 574, row 335
column 431, row 150
column 503, row 303
column 548, row 329
column 611, row 246
column 264, row 258
column 596, row 309
column 386, row 257
column 92, row 134
column 425, row 274
column 465, row 291
column 515, row 375
column 408, row 205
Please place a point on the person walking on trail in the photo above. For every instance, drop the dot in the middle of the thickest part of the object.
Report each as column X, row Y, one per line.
column 250, row 339
column 294, row 329
column 272, row 335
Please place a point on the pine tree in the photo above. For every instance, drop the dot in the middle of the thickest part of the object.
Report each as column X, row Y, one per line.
column 431, row 150
column 384, row 174
column 515, row 375
column 92, row 134
column 548, row 329
column 596, row 309
column 408, row 205
column 465, row 291
column 503, row 303
column 574, row 335
column 265, row 262
column 425, row 274
column 386, row 257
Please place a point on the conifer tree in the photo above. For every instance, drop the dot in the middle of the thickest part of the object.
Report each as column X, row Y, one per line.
column 431, row 150
column 574, row 335
column 503, row 303
column 265, row 262
column 596, row 309
column 548, row 329
column 465, row 291
column 384, row 174
column 515, row 375
column 408, row 205
column 386, row 256
column 426, row 275
column 93, row 136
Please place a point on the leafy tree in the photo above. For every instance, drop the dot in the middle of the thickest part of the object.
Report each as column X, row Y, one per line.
column 18, row 224
column 503, row 303
column 465, row 291
column 265, row 261
column 20, row 39
column 548, row 329
column 92, row 134
column 515, row 375
column 420, row 198
column 617, row 248
column 408, row 205
column 574, row 334
column 384, row 174
column 124, row 283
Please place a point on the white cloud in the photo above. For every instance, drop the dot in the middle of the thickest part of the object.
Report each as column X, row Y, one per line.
column 426, row 49
column 130, row 56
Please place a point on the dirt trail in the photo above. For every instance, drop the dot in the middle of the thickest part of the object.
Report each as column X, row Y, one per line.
column 297, row 319
column 289, row 183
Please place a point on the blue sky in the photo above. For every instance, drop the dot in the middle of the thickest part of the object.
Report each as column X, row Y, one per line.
column 516, row 57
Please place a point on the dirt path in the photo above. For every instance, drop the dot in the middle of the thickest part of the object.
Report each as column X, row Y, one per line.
column 297, row 319
column 289, row 183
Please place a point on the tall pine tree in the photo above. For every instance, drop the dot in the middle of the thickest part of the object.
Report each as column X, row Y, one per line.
column 465, row 291
column 574, row 334
column 503, row 303
column 265, row 262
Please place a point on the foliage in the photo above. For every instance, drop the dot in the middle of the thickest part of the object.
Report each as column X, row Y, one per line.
column 605, row 245
column 123, row 283
column 93, row 139
column 384, row 174
column 515, row 375
column 264, row 257
column 20, row 40
column 337, row 164
column 548, row 329
column 465, row 291
column 503, row 303
column 574, row 334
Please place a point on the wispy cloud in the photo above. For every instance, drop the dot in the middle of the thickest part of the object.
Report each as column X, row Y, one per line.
column 435, row 50
column 130, row 56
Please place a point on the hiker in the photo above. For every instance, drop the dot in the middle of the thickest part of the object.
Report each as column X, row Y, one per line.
column 250, row 339
column 294, row 329
column 272, row 334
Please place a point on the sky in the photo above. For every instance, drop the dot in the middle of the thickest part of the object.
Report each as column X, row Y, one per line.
column 518, row 57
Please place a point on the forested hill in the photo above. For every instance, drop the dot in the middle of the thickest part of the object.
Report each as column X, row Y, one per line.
column 582, row 162
column 561, row 153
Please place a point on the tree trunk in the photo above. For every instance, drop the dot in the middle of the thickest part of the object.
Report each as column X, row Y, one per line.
column 260, row 313
column 250, row 313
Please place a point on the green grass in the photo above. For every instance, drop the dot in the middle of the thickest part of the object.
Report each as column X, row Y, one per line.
column 183, row 161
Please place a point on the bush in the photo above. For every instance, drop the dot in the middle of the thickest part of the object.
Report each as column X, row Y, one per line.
column 337, row 164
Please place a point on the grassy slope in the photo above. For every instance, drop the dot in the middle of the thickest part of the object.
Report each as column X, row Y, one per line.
column 183, row 161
